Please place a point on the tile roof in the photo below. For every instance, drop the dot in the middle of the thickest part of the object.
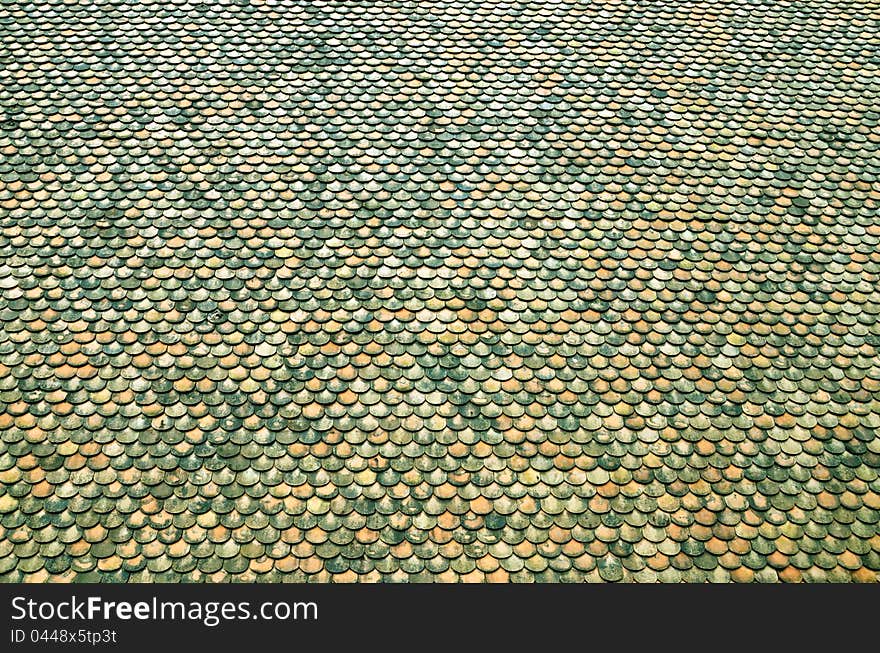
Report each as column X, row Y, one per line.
column 435, row 291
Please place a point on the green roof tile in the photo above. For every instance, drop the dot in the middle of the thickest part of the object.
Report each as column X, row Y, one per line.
column 449, row 291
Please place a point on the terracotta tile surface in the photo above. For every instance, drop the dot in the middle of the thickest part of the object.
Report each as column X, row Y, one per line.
column 439, row 291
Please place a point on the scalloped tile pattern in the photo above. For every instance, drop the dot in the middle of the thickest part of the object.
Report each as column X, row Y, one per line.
column 439, row 291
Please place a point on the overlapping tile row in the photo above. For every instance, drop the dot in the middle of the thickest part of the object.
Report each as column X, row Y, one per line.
column 439, row 291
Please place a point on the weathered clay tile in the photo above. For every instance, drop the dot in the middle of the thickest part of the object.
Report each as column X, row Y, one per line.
column 454, row 291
